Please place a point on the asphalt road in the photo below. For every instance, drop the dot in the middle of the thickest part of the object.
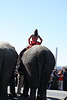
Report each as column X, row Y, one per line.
column 56, row 94
column 51, row 95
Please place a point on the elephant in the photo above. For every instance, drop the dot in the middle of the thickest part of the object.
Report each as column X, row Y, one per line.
column 8, row 59
column 37, row 65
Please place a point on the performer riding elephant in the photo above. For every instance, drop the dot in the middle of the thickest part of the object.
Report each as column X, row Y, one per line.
column 33, row 40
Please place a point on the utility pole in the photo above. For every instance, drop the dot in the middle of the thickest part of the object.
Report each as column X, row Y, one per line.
column 56, row 58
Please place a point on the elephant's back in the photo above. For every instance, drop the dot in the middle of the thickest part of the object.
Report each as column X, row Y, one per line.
column 37, row 50
column 7, row 50
column 38, row 54
column 8, row 56
column 38, row 61
column 6, row 45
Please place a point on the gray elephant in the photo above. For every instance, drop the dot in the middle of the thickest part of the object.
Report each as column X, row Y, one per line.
column 37, row 63
column 8, row 58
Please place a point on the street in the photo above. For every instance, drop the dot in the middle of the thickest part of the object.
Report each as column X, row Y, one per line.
column 56, row 94
column 51, row 95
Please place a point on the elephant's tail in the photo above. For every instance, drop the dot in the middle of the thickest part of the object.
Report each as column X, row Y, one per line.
column 39, row 66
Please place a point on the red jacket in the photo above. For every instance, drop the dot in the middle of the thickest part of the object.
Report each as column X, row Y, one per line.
column 60, row 77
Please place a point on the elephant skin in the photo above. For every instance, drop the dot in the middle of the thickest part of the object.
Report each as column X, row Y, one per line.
column 38, row 64
column 8, row 58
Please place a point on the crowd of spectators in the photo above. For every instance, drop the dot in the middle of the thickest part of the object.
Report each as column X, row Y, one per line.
column 58, row 80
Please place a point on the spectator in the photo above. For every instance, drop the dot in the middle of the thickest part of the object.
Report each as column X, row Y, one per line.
column 65, row 80
column 60, row 83
column 54, row 82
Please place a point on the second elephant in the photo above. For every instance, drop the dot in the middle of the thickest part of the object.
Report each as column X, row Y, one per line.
column 38, row 64
column 8, row 59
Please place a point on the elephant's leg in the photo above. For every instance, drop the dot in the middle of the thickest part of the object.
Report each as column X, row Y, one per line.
column 6, row 73
column 41, row 93
column 32, row 93
column 43, row 86
column 34, row 81
column 3, row 85
column 26, row 88
column 33, row 86
column 12, row 85
column 3, row 91
column 20, row 85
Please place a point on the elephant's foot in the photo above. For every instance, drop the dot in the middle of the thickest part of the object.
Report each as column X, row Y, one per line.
column 41, row 97
column 32, row 99
column 12, row 97
column 23, row 98
column 4, row 98
column 25, row 95
column 38, row 97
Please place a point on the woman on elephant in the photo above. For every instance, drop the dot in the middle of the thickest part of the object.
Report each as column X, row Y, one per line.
column 35, row 37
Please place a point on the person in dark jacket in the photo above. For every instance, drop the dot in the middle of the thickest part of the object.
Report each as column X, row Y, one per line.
column 54, row 83
column 65, row 80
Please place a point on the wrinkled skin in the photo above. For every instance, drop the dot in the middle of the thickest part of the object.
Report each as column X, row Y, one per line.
column 39, row 63
column 8, row 57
